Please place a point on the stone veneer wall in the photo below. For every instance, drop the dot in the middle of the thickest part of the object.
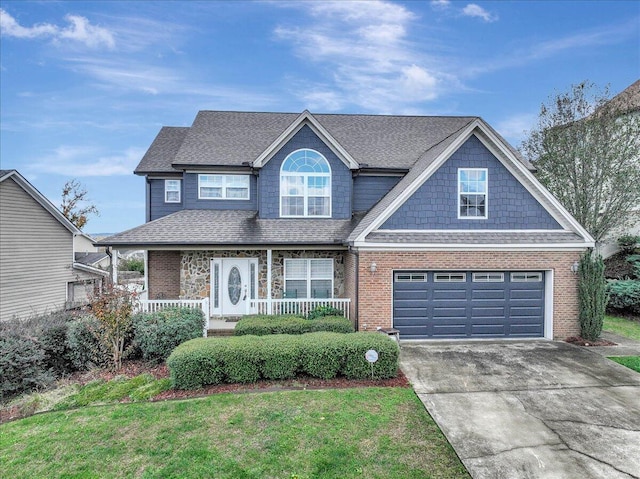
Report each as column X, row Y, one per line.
column 195, row 270
column 375, row 294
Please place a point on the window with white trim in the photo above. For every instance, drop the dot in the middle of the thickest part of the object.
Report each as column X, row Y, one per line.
column 223, row 187
column 305, row 185
column 172, row 191
column 411, row 277
column 472, row 193
column 308, row 278
column 450, row 277
column 488, row 277
column 526, row 277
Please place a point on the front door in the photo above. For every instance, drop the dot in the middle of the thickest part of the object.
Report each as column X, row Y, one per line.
column 233, row 284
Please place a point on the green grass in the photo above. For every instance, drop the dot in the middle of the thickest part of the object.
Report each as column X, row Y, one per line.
column 344, row 433
column 622, row 326
column 632, row 362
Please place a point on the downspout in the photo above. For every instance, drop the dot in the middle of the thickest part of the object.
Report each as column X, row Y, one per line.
column 107, row 250
column 357, row 286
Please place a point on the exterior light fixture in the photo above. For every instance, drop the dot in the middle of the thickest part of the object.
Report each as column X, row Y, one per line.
column 574, row 267
column 373, row 267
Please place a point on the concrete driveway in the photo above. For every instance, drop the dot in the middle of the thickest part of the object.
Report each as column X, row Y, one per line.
column 530, row 409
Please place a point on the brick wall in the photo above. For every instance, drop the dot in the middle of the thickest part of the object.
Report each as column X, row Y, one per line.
column 164, row 274
column 376, row 289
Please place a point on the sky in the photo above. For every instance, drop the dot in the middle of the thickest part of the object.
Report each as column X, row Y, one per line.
column 86, row 86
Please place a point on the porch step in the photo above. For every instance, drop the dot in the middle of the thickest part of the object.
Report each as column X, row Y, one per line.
column 219, row 332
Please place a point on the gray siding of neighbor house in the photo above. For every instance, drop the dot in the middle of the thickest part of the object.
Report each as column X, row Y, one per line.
column 36, row 255
column 368, row 190
column 158, row 207
column 269, row 179
column 435, row 204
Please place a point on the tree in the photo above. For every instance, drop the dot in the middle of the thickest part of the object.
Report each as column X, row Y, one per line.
column 74, row 203
column 592, row 295
column 586, row 149
column 112, row 307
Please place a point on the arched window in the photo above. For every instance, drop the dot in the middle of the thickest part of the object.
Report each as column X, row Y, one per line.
column 305, row 185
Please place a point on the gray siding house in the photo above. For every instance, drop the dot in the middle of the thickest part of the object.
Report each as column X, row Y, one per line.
column 38, row 272
column 433, row 225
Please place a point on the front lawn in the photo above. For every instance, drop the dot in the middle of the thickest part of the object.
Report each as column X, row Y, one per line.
column 365, row 432
column 632, row 362
column 622, row 326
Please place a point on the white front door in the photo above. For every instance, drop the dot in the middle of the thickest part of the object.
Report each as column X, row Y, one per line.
column 233, row 283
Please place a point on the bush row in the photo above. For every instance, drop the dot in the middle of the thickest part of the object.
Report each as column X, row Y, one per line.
column 246, row 359
column 624, row 295
column 36, row 351
column 261, row 325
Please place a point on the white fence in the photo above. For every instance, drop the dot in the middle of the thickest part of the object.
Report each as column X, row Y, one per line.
column 297, row 306
column 153, row 305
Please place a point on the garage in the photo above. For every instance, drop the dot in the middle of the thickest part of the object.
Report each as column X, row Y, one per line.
column 468, row 304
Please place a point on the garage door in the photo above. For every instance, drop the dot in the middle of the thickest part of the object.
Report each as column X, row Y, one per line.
column 468, row 304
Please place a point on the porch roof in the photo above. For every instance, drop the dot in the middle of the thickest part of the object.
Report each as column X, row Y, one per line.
column 232, row 228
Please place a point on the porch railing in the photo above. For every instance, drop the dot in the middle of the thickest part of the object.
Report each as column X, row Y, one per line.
column 154, row 305
column 297, row 306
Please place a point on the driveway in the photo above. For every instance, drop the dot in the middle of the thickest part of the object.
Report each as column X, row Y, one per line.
column 530, row 409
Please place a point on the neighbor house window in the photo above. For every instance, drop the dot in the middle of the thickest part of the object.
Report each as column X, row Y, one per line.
column 308, row 278
column 305, row 185
column 223, row 187
column 172, row 191
column 472, row 193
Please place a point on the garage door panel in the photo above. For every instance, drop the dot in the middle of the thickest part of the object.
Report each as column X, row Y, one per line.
column 493, row 304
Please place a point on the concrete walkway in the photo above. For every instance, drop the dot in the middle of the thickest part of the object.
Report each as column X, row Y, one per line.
column 530, row 409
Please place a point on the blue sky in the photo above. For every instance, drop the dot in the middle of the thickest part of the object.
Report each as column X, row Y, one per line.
column 85, row 86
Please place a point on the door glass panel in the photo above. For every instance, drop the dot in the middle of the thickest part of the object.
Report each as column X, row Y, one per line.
column 234, row 285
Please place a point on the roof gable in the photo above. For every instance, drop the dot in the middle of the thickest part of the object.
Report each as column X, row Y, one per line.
column 437, row 156
column 39, row 198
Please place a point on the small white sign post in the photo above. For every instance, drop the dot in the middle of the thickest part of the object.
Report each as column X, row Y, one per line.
column 372, row 357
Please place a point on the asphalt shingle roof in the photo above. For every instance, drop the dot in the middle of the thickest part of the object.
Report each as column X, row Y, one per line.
column 162, row 151
column 90, row 258
column 232, row 227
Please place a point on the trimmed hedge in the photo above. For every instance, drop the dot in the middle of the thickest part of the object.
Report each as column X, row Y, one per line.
column 204, row 361
column 259, row 325
column 157, row 334
column 624, row 295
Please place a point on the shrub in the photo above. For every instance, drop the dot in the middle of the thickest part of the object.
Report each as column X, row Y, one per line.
column 157, row 334
column 322, row 311
column 627, row 243
column 86, row 350
column 262, row 325
column 624, row 295
column 592, row 295
column 22, row 366
column 199, row 362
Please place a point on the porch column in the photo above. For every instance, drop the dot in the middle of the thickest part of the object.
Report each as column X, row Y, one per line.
column 269, row 304
column 114, row 266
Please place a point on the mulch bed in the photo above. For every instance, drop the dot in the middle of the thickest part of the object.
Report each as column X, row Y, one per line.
column 578, row 341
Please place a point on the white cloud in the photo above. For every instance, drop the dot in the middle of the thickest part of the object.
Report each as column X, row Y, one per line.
column 362, row 50
column 440, row 4
column 516, row 127
column 79, row 161
column 79, row 30
column 473, row 10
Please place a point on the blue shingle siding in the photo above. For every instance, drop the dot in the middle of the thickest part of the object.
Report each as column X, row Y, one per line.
column 191, row 201
column 435, row 204
column 269, row 178
column 158, row 207
column 368, row 190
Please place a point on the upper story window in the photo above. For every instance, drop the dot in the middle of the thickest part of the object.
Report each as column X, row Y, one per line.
column 472, row 193
column 305, row 185
column 223, row 187
column 172, row 191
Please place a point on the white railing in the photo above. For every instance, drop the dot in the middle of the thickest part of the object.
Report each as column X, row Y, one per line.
column 154, row 305
column 297, row 306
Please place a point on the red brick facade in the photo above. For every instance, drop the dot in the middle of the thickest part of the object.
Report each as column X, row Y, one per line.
column 375, row 294
column 164, row 274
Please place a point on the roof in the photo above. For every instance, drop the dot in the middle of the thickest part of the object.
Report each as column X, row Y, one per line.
column 39, row 197
column 90, row 258
column 224, row 138
column 627, row 100
column 232, row 227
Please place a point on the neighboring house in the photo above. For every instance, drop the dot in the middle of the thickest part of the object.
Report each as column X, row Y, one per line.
column 627, row 103
column 38, row 272
column 433, row 225
column 88, row 254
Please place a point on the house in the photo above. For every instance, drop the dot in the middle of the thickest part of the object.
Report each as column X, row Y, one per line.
column 433, row 225
column 38, row 271
column 85, row 252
